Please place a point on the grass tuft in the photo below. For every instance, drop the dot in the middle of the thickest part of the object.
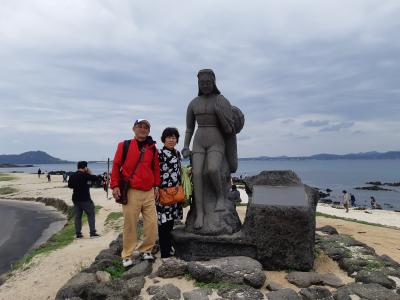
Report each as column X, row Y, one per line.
column 6, row 177
column 116, row 270
column 7, row 190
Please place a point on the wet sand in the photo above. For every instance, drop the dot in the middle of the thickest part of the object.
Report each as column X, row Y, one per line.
column 24, row 226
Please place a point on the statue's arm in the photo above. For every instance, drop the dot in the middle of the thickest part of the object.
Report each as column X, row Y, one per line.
column 190, row 124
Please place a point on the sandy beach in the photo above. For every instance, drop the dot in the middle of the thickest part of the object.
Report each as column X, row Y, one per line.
column 47, row 273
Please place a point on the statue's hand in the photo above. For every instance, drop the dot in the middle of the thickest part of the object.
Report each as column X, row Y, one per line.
column 185, row 152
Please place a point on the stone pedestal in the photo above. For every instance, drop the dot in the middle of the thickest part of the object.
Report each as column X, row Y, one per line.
column 280, row 221
column 278, row 231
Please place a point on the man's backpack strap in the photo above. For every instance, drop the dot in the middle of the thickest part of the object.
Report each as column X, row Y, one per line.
column 152, row 163
column 125, row 151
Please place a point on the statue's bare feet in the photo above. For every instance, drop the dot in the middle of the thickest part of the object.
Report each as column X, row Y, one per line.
column 198, row 223
column 220, row 205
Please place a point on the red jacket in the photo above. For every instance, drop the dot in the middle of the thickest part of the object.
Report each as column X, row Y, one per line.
column 147, row 174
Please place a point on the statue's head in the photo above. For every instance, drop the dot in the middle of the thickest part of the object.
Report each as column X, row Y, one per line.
column 206, row 80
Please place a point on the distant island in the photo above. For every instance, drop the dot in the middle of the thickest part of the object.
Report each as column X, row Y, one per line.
column 30, row 157
column 322, row 156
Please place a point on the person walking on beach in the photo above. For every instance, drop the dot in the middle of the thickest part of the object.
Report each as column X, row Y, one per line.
column 80, row 182
column 353, row 200
column 346, row 200
column 373, row 202
column 48, row 177
column 141, row 167
column 39, row 172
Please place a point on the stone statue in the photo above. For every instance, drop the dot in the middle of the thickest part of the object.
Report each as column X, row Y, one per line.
column 213, row 157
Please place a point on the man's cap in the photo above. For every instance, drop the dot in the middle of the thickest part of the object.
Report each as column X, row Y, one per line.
column 82, row 164
column 142, row 121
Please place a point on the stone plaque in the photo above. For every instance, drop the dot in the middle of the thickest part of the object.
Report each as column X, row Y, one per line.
column 279, row 195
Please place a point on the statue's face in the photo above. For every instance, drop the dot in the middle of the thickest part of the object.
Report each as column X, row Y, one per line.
column 206, row 84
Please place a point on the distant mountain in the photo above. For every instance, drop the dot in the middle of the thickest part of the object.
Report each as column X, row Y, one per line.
column 30, row 157
column 324, row 156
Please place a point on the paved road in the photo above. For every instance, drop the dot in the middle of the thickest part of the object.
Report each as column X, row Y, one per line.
column 24, row 225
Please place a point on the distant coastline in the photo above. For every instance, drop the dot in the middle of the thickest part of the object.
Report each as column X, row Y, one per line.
column 32, row 158
column 323, row 156
column 15, row 166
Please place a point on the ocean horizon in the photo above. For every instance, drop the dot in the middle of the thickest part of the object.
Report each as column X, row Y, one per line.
column 336, row 175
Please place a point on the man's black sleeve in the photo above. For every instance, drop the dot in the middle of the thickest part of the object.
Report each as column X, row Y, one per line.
column 91, row 177
column 71, row 182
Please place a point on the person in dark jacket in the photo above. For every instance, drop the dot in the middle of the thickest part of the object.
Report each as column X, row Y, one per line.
column 80, row 182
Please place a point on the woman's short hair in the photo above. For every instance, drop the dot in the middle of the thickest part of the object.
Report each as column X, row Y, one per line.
column 170, row 131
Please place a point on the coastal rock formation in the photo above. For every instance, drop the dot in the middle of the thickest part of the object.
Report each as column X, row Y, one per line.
column 370, row 291
column 287, row 294
column 316, row 293
column 236, row 270
column 172, row 267
column 240, row 293
column 306, row 279
column 365, row 276
column 198, row 294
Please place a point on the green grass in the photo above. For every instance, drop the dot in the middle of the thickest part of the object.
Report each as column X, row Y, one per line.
column 318, row 214
column 113, row 216
column 113, row 220
column 7, row 190
column 6, row 177
column 59, row 240
column 116, row 270
column 374, row 265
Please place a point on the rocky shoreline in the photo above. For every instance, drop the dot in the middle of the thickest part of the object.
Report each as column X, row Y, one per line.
column 376, row 277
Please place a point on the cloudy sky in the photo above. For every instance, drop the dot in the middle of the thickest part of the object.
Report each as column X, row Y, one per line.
column 310, row 76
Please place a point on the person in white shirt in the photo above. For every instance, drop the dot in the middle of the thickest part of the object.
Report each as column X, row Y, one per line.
column 346, row 200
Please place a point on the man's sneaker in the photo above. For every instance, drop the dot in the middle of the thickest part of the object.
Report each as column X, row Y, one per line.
column 147, row 256
column 126, row 262
column 79, row 235
column 94, row 235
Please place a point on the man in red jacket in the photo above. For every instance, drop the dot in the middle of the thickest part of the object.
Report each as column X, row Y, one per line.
column 142, row 193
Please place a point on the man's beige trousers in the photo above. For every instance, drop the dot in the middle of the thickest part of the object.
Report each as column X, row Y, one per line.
column 139, row 202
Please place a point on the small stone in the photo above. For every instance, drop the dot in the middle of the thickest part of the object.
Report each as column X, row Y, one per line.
column 153, row 289
column 306, row 279
column 241, row 293
column 172, row 267
column 283, row 294
column 103, row 276
column 198, row 294
column 316, row 293
column 375, row 277
column 143, row 268
column 273, row 286
column 172, row 291
column 327, row 229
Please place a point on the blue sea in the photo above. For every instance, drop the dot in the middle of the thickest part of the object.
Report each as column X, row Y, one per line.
column 333, row 174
